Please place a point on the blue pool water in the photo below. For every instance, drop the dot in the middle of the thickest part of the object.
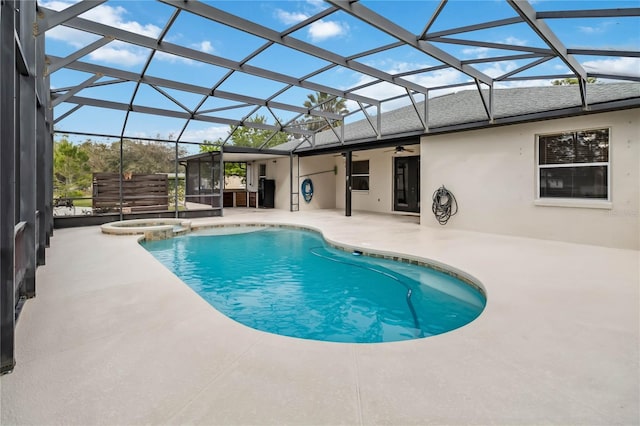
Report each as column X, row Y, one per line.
column 290, row 282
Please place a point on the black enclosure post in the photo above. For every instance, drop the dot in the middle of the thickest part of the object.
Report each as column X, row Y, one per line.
column 120, row 183
column 221, row 180
column 175, row 182
column 41, row 149
column 7, row 185
column 290, row 181
column 27, row 160
column 48, row 161
column 347, row 202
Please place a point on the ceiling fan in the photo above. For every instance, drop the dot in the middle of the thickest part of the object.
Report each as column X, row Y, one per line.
column 398, row 149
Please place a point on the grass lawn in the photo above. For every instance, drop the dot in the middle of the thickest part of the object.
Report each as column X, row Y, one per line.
column 82, row 202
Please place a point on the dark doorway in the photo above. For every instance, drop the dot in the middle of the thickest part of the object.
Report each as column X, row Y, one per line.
column 266, row 193
column 406, row 186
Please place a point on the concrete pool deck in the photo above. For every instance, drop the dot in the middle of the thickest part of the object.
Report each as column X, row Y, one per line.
column 114, row 338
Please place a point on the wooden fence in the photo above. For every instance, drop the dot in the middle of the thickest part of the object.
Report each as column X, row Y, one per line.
column 140, row 192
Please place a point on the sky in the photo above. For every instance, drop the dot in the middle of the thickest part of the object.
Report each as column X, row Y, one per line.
column 338, row 32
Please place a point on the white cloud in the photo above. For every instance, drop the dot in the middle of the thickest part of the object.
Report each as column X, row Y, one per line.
column 484, row 52
column 115, row 17
column 309, row 8
column 476, row 52
column 118, row 53
column 56, row 5
column 515, row 41
column 442, row 77
column 437, row 78
column 316, row 4
column 400, row 67
column 168, row 57
column 323, row 30
column 499, row 68
column 377, row 91
column 598, row 29
column 290, row 18
column 621, row 66
column 114, row 52
column 75, row 38
column 211, row 133
column 589, row 30
column 204, row 46
column 522, row 83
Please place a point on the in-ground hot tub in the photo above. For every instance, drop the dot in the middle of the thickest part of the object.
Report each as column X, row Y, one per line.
column 152, row 229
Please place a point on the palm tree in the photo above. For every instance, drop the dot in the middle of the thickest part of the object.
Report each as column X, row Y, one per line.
column 324, row 102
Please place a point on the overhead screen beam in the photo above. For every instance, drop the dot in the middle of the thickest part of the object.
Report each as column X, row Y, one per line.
column 432, row 20
column 61, row 98
column 529, row 15
column 99, row 103
column 594, row 13
column 383, row 24
column 615, row 76
column 476, row 27
column 238, row 23
column 196, row 55
column 604, row 52
column 62, row 62
column 150, row 57
column 52, row 20
column 523, row 68
column 185, row 87
column 489, row 45
column 423, row 42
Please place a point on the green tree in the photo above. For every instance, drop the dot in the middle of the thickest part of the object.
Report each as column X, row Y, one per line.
column 208, row 146
column 148, row 157
column 256, row 137
column 138, row 156
column 102, row 157
column 324, row 102
column 570, row 81
column 251, row 137
column 72, row 174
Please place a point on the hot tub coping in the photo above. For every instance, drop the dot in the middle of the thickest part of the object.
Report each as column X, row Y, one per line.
column 152, row 229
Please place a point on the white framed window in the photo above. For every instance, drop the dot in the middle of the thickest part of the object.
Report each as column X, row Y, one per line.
column 360, row 175
column 573, row 166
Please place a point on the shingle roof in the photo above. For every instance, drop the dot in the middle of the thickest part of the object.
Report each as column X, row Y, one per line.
column 466, row 107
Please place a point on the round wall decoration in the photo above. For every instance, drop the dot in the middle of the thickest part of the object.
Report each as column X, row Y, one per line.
column 307, row 189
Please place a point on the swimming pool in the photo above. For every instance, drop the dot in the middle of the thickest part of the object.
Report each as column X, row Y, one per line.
column 291, row 282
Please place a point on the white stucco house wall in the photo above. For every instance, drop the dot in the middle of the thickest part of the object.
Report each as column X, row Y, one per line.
column 494, row 176
column 492, row 168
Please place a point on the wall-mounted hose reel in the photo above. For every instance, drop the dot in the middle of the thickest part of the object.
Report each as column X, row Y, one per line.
column 444, row 205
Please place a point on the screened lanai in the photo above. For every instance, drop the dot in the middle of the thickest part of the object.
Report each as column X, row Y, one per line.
column 130, row 88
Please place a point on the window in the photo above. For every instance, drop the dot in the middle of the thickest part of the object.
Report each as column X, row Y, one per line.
column 574, row 165
column 360, row 175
